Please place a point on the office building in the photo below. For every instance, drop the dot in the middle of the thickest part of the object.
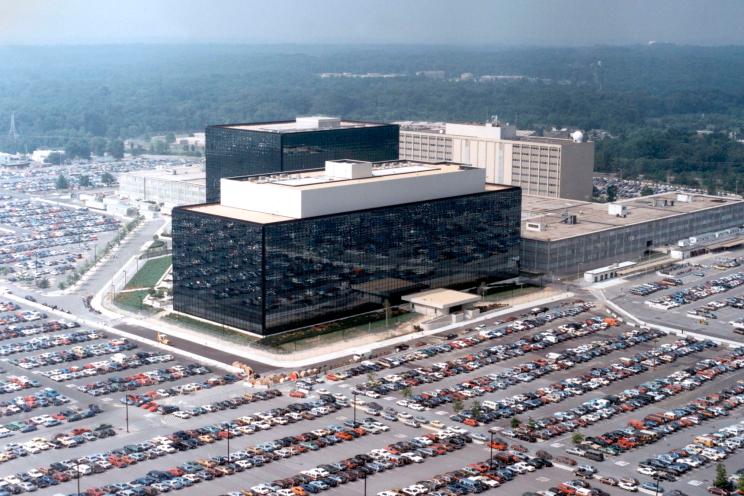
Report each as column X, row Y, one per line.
column 171, row 186
column 305, row 143
column 562, row 237
column 551, row 167
column 289, row 250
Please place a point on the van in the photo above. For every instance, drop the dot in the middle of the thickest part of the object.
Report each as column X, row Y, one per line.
column 594, row 455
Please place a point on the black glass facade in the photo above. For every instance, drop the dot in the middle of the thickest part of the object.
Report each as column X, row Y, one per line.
column 268, row 278
column 232, row 152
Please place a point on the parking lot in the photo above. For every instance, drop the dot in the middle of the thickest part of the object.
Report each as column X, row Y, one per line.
column 47, row 233
column 532, row 380
column 708, row 297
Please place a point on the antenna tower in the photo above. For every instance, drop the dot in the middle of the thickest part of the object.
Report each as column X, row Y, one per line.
column 13, row 132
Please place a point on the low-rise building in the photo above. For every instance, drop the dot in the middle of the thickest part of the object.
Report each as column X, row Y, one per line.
column 171, row 186
column 564, row 237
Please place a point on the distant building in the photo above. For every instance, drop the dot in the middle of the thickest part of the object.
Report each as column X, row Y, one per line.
column 305, row 143
column 552, row 167
column 172, row 186
column 285, row 251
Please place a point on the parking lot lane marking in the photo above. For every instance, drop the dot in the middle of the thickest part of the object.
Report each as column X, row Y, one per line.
column 621, row 463
column 400, row 435
column 496, row 428
column 695, row 483
column 107, row 399
column 341, row 417
column 542, row 479
column 343, row 386
column 563, row 467
column 389, row 398
column 440, row 412
column 557, row 445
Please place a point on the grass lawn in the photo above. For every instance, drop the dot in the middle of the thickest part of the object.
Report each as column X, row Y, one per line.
column 131, row 300
column 150, row 273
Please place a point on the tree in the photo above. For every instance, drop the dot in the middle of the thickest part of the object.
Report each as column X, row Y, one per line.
column 741, row 483
column 55, row 158
column 116, row 148
column 170, row 138
column 372, row 378
column 476, row 409
column 62, row 182
column 406, row 392
column 98, row 146
column 84, row 181
column 611, row 193
column 577, row 438
column 515, row 422
column 77, row 148
column 457, row 406
column 647, row 190
column 721, row 480
column 42, row 283
column 107, row 178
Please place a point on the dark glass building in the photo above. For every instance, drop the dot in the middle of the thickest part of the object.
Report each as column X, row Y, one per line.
column 306, row 143
column 268, row 274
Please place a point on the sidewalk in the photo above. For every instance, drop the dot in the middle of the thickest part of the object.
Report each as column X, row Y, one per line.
column 310, row 357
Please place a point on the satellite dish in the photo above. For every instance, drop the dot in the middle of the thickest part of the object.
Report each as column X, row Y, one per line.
column 577, row 136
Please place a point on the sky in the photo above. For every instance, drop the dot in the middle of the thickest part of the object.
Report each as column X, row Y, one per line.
column 444, row 22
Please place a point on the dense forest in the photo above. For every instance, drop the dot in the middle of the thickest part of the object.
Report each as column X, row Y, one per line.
column 651, row 101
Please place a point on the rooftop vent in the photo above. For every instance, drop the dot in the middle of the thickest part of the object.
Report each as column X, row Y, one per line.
column 685, row 197
column 663, row 202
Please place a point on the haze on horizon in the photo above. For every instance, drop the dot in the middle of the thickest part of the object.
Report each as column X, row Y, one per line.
column 442, row 22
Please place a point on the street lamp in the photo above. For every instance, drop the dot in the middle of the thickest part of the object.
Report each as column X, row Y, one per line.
column 77, row 463
column 126, row 410
column 365, row 484
column 490, row 461
column 354, row 401
column 228, row 443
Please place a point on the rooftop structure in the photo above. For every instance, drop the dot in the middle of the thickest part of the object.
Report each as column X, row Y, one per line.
column 346, row 185
column 301, row 124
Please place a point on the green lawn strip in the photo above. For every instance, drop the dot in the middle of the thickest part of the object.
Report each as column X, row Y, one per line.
column 150, row 273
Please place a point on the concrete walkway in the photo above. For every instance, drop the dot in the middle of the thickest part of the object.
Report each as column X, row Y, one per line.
column 306, row 358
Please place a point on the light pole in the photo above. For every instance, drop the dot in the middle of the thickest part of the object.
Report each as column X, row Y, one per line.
column 228, row 444
column 77, row 463
column 365, row 484
column 490, row 461
column 354, row 395
column 126, row 410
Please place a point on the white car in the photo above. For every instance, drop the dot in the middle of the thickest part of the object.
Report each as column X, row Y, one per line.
column 628, row 487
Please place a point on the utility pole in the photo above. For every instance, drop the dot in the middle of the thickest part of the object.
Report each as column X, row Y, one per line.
column 354, row 395
column 126, row 409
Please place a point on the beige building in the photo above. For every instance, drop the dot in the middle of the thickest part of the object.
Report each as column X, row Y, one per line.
column 552, row 167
